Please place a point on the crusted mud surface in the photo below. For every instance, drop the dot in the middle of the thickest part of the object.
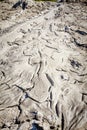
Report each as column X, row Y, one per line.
column 43, row 67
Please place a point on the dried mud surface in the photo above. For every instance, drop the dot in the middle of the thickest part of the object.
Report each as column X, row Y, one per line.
column 43, row 67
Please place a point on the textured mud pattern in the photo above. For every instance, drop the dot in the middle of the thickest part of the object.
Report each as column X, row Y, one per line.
column 43, row 70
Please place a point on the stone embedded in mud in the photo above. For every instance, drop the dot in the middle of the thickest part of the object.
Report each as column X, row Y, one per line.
column 36, row 127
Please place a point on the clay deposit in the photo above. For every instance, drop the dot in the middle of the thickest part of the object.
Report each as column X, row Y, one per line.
column 43, row 67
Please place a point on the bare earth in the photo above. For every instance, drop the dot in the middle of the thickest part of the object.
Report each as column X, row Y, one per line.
column 43, row 67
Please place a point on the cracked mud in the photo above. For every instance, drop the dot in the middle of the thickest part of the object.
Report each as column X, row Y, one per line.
column 43, row 69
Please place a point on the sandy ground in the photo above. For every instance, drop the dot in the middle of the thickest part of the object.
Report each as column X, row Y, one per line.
column 43, row 67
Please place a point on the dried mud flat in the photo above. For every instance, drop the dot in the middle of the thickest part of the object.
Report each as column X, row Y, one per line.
column 43, row 67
